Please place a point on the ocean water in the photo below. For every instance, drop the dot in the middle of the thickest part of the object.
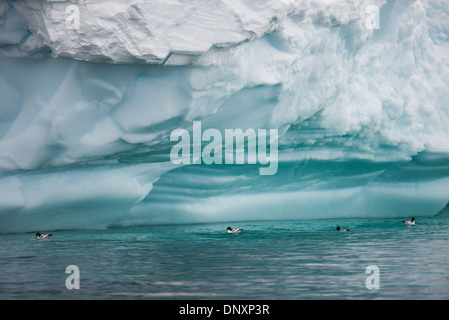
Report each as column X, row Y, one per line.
column 288, row 260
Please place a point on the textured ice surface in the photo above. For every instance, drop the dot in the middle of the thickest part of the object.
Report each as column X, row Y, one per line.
column 363, row 115
column 155, row 30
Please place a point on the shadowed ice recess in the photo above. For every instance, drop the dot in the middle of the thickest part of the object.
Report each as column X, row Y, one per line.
column 85, row 118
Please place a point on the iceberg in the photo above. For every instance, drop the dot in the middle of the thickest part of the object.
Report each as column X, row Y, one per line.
column 92, row 91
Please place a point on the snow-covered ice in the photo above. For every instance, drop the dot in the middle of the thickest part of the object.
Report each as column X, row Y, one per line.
column 86, row 114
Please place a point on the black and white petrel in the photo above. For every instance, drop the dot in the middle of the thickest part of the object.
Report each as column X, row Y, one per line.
column 230, row 230
column 43, row 236
column 409, row 223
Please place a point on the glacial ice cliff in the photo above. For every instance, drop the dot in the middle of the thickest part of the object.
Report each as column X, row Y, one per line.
column 86, row 113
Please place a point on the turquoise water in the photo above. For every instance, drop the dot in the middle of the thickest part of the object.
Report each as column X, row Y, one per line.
column 268, row 260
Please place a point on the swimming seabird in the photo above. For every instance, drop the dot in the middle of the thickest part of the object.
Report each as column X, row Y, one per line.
column 409, row 223
column 43, row 236
column 230, row 230
column 339, row 229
